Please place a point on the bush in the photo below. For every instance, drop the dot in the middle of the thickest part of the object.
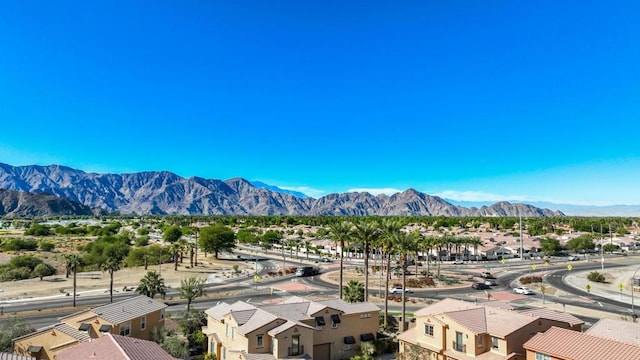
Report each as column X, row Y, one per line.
column 43, row 270
column 596, row 277
column 26, row 261
column 19, row 244
column 21, row 273
column 530, row 279
column 142, row 241
column 46, row 245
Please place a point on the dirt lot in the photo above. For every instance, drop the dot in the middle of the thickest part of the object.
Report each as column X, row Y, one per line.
column 58, row 285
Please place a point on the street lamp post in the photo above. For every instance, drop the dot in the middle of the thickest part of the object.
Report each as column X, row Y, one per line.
column 633, row 277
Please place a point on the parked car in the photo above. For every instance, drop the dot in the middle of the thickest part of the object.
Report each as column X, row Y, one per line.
column 480, row 286
column 523, row 290
column 491, row 282
column 398, row 290
column 325, row 260
column 458, row 262
column 487, row 275
column 573, row 258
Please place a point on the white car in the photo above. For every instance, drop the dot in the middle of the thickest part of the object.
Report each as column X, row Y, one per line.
column 523, row 290
column 398, row 290
column 490, row 282
column 573, row 258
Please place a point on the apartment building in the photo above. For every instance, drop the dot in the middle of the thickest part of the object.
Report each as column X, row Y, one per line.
column 135, row 317
column 454, row 329
column 324, row 330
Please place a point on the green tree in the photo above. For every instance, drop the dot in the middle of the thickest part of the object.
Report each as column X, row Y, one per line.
column 340, row 231
column 581, row 243
column 404, row 244
column 172, row 234
column 11, row 328
column 152, row 284
column 366, row 233
column 176, row 347
column 111, row 265
column 73, row 262
column 550, row 246
column 190, row 289
column 354, row 292
column 389, row 229
column 43, row 269
column 217, row 238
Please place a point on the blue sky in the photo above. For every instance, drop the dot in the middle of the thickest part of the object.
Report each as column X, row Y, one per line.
column 469, row 100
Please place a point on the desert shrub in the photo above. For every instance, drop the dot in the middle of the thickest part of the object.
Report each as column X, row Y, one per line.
column 596, row 277
column 19, row 244
column 38, row 230
column 26, row 261
column 46, row 245
column 142, row 241
column 420, row 282
column 530, row 279
column 21, row 273
column 42, row 270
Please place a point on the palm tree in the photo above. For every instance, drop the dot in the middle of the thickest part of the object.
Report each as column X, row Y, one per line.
column 190, row 289
column 354, row 292
column 175, row 249
column 389, row 228
column 111, row 265
column 366, row 233
column 404, row 244
column 307, row 244
column 152, row 284
column 73, row 261
column 340, row 231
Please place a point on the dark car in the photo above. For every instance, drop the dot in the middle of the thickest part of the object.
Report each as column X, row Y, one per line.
column 480, row 286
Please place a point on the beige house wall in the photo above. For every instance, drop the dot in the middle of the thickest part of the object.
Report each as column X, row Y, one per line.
column 350, row 325
column 153, row 320
column 52, row 341
column 284, row 341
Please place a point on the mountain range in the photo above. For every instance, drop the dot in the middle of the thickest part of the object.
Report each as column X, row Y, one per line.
column 24, row 204
column 163, row 192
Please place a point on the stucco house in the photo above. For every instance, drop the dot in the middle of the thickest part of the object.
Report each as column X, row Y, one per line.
column 296, row 328
column 455, row 329
column 135, row 317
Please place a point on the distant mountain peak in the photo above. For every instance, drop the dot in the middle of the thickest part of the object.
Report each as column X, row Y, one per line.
column 260, row 184
column 163, row 192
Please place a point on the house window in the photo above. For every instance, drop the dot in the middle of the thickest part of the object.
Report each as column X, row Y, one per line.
column 143, row 322
column 162, row 314
column 125, row 329
column 365, row 315
column 233, row 333
column 428, row 329
column 319, row 322
column 347, row 347
column 335, row 320
column 494, row 342
column 224, row 353
column 226, row 330
column 540, row 356
column 480, row 341
column 260, row 340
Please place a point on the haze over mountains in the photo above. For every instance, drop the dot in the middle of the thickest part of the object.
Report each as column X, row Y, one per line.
column 162, row 192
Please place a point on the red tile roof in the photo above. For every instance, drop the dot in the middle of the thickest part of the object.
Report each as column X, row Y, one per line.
column 573, row 345
column 115, row 347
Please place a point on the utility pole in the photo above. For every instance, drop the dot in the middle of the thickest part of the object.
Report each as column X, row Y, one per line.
column 521, row 239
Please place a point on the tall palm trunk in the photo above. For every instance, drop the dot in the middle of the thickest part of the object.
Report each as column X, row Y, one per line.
column 341, row 264
column 366, row 271
column 386, row 296
column 75, row 270
column 110, row 286
column 404, row 294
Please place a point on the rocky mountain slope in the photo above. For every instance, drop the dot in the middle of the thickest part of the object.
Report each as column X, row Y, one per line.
column 163, row 192
column 21, row 204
